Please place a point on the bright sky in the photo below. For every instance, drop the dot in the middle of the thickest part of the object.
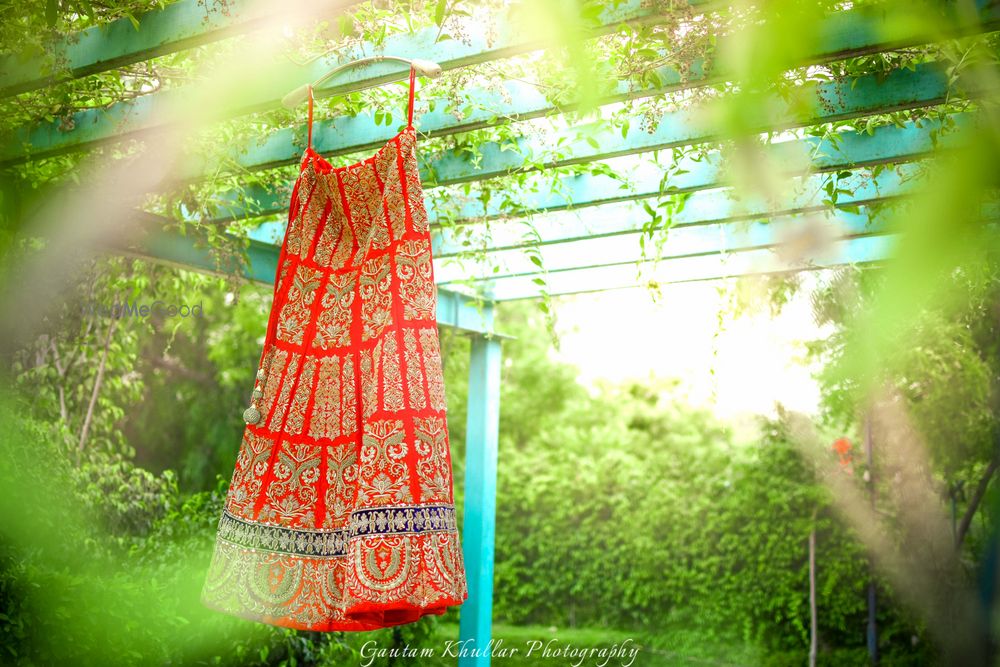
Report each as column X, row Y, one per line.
column 757, row 359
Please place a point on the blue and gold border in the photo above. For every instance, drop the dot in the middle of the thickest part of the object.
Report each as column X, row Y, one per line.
column 321, row 543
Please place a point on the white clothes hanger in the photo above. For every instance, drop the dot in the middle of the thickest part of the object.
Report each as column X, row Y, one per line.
column 299, row 95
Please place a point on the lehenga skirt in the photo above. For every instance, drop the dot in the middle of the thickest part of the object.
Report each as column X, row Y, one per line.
column 340, row 514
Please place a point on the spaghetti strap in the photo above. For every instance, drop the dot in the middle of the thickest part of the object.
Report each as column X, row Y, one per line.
column 310, row 135
column 413, row 76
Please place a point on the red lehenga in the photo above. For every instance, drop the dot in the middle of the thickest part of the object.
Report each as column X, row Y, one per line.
column 341, row 515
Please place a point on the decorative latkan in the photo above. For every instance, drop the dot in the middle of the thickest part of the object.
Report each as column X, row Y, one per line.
column 340, row 514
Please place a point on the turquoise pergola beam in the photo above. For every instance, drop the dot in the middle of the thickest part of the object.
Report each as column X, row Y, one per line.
column 479, row 522
column 858, row 244
column 453, row 309
column 848, row 33
column 863, row 250
column 700, row 208
column 837, row 101
column 847, row 150
column 677, row 243
column 129, row 119
column 178, row 26
column 817, row 102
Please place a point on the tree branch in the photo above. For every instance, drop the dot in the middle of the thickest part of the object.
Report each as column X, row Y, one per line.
column 97, row 390
column 977, row 498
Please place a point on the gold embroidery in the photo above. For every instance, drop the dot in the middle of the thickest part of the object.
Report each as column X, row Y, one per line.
column 432, row 365
column 283, row 567
column 285, row 266
column 291, row 494
column 365, row 198
column 312, row 216
column 384, row 563
column 376, row 296
column 370, row 361
column 446, row 565
column 349, row 421
column 333, row 327
column 315, row 592
column 275, row 368
column 414, row 190
column 297, row 413
column 384, row 478
column 392, row 380
column 416, row 288
column 433, row 467
column 286, row 388
column 295, row 315
column 341, row 475
column 335, row 244
column 325, row 419
column 388, row 170
column 296, row 222
column 251, row 465
column 414, row 374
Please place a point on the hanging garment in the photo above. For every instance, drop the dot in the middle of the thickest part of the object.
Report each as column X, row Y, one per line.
column 340, row 514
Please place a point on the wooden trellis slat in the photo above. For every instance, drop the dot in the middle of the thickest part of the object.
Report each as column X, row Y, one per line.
column 179, row 26
column 843, row 34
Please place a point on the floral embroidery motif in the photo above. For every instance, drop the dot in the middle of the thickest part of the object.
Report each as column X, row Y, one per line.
column 333, row 328
column 414, row 190
column 295, row 315
column 384, row 478
column 349, row 418
column 296, row 220
column 388, row 170
column 414, row 376
column 285, row 267
column 297, row 413
column 341, row 478
column 432, row 363
column 384, row 563
column 281, row 405
column 416, row 289
column 434, row 466
column 325, row 419
column 392, row 380
column 251, row 464
column 370, row 361
column 275, row 367
column 367, row 209
column 291, row 494
column 376, row 296
column 312, row 216
column 336, row 242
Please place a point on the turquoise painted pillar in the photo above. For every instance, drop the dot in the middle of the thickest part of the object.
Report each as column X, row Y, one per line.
column 479, row 525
